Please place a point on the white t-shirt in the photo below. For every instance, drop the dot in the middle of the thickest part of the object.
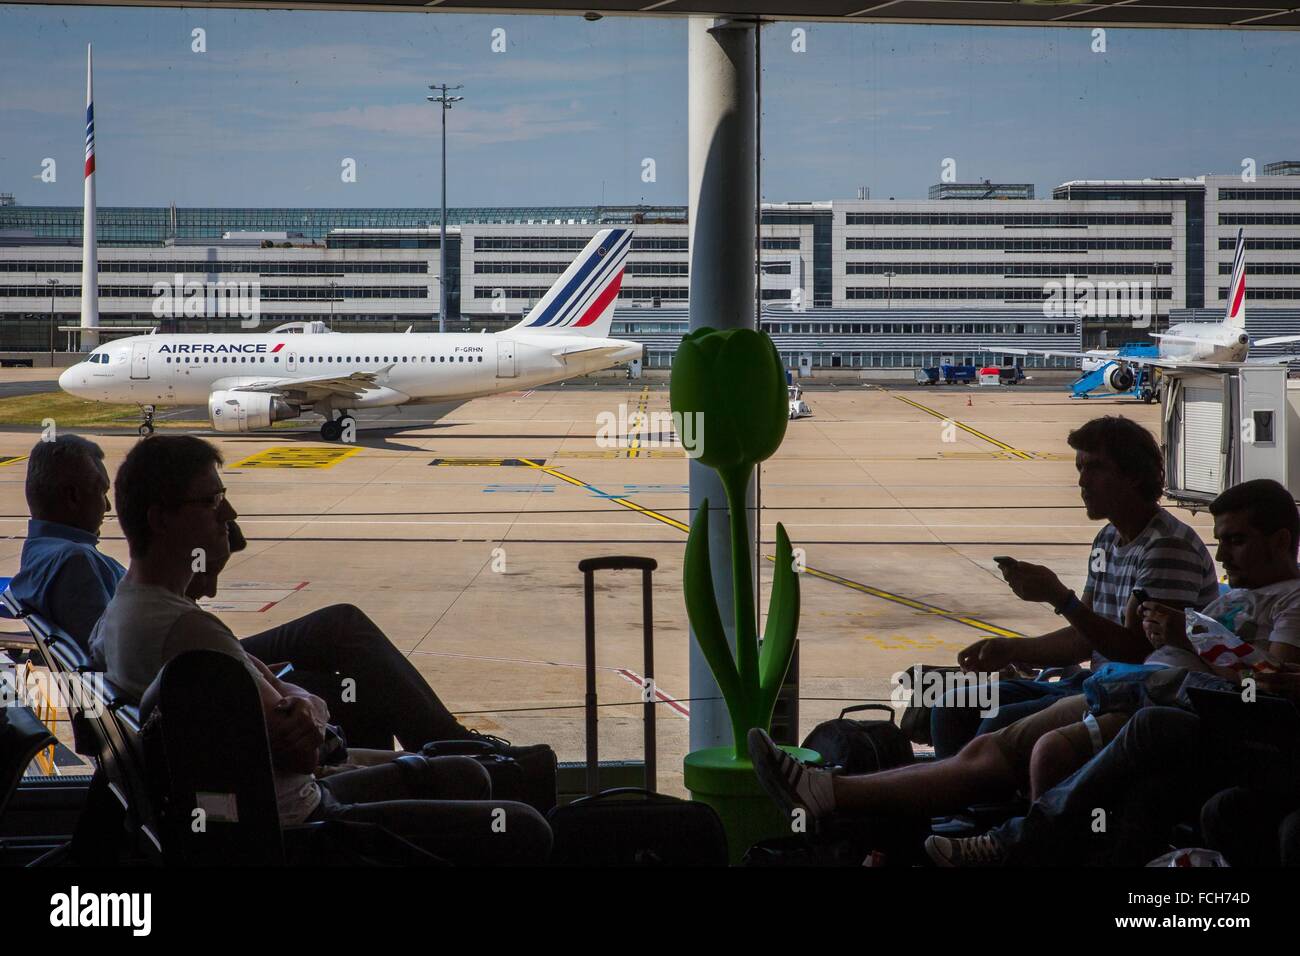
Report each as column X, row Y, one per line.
column 1262, row 616
column 144, row 627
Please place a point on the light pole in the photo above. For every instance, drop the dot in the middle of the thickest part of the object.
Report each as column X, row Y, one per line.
column 53, row 284
column 445, row 100
column 333, row 285
column 889, row 290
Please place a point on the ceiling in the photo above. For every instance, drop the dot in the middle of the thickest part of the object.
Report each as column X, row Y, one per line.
column 1204, row 14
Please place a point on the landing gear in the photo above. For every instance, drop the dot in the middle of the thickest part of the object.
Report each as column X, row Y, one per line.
column 146, row 427
column 333, row 429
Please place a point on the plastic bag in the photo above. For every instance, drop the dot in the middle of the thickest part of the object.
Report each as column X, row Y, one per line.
column 1193, row 856
column 1218, row 646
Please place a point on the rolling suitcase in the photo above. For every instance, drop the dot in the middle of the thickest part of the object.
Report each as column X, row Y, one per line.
column 631, row 826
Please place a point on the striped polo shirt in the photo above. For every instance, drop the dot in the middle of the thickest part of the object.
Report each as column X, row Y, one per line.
column 1167, row 559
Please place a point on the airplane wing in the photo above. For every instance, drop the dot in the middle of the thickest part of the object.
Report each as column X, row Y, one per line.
column 1273, row 359
column 1150, row 361
column 1277, row 340
column 313, row 389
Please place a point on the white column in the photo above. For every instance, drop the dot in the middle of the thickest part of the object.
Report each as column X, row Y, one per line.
column 721, row 208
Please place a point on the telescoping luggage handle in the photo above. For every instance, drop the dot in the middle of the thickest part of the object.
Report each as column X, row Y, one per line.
column 588, row 567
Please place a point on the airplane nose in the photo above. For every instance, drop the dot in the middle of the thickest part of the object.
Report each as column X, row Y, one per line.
column 68, row 378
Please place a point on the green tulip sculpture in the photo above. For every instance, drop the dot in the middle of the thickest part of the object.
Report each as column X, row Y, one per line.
column 733, row 384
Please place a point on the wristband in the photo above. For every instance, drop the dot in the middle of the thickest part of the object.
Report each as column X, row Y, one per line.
column 1067, row 606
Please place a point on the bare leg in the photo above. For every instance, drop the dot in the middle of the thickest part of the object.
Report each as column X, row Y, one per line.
column 979, row 771
column 1053, row 760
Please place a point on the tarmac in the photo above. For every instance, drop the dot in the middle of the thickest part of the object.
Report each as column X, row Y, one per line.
column 460, row 537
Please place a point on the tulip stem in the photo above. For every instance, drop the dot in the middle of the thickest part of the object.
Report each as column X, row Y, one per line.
column 735, row 481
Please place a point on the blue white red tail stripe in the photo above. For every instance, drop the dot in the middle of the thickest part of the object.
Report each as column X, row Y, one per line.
column 90, row 138
column 588, row 287
column 1236, row 312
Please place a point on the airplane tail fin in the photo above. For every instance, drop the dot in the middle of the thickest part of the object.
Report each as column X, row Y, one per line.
column 1235, row 315
column 582, row 300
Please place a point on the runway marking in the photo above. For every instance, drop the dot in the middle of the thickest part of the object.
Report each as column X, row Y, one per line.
column 638, row 420
column 11, row 459
column 633, row 677
column 1013, row 452
column 881, row 593
column 627, row 674
column 611, row 454
column 486, row 462
column 298, row 456
column 254, row 597
column 518, row 489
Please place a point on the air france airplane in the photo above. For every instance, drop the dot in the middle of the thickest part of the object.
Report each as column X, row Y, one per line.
column 1188, row 344
column 249, row 381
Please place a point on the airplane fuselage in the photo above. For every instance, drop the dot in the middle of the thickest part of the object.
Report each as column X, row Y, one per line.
column 1205, row 342
column 1188, row 342
column 410, row 368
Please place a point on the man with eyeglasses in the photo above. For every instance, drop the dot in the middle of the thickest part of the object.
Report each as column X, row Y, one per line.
column 173, row 508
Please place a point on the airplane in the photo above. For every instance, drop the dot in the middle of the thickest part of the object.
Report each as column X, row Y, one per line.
column 251, row 380
column 1186, row 345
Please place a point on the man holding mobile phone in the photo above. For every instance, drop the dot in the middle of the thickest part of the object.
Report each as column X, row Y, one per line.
column 1121, row 479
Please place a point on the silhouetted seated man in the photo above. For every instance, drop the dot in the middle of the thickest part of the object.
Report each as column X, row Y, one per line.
column 66, row 579
column 1167, row 761
column 1258, row 527
column 62, row 574
column 172, row 506
column 1121, row 478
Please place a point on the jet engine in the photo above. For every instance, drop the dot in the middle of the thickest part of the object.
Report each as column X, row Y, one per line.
column 1119, row 378
column 247, row 411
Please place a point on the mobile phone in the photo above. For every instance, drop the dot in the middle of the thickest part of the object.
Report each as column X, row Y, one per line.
column 283, row 672
column 1141, row 596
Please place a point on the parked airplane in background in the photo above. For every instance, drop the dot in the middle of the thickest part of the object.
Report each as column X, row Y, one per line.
column 249, row 381
column 1186, row 345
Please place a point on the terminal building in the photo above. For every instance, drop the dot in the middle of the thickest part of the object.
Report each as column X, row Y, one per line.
column 845, row 284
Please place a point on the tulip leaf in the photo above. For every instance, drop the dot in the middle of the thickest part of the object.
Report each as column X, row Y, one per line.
column 782, row 627
column 702, row 610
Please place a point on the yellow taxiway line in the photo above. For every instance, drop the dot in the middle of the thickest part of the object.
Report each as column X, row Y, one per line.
column 1010, row 450
column 875, row 592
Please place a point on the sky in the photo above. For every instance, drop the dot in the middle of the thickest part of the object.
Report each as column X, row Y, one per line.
column 568, row 111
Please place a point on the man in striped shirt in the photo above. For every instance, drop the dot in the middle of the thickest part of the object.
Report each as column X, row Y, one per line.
column 1121, row 479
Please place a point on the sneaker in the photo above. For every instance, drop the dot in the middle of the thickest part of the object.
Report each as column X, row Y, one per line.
column 982, row 850
column 792, row 785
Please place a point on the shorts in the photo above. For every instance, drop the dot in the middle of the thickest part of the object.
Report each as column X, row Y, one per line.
column 1016, row 741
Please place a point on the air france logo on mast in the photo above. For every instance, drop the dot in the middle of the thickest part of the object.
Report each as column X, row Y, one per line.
column 196, row 300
